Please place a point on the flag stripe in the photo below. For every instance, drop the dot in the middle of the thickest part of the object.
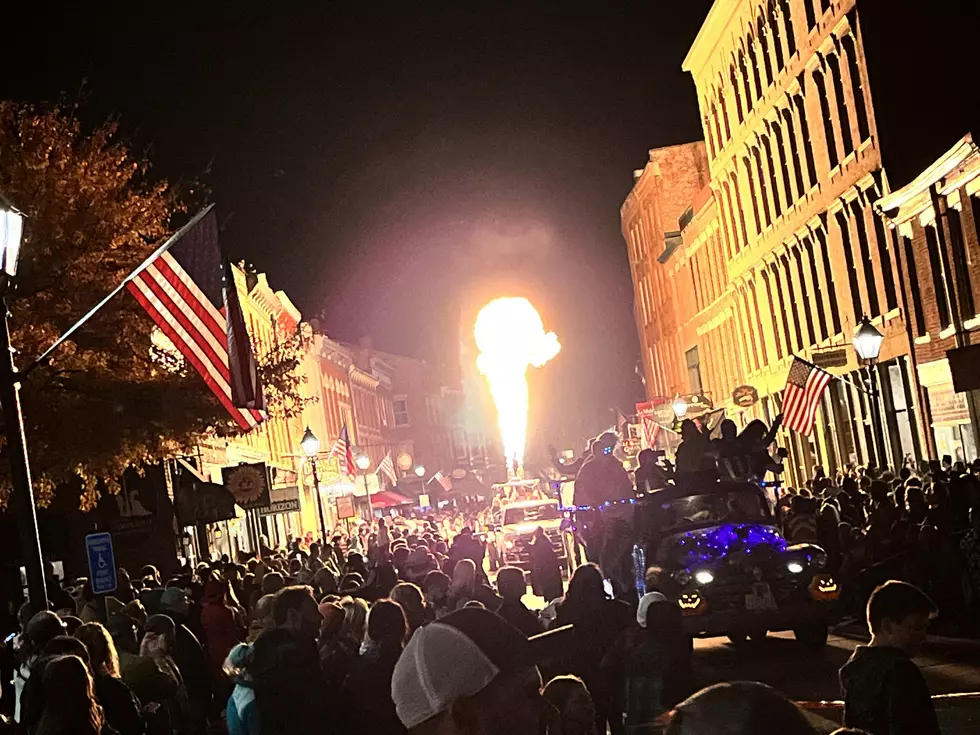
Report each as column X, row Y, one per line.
column 185, row 314
column 184, row 343
column 193, row 288
column 178, row 280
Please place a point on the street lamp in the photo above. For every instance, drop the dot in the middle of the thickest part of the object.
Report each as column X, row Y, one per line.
column 867, row 344
column 22, row 496
column 680, row 408
column 363, row 462
column 311, row 446
column 420, row 471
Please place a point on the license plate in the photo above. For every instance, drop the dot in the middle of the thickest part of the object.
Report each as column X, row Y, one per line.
column 760, row 598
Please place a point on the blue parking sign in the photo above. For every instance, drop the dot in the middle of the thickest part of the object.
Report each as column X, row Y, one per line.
column 101, row 563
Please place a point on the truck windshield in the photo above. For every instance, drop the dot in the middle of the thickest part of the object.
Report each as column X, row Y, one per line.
column 531, row 513
column 711, row 509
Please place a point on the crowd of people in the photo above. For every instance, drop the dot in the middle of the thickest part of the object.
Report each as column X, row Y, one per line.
column 397, row 628
column 407, row 635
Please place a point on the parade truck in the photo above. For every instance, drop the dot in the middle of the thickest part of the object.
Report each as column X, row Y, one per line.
column 716, row 549
column 516, row 524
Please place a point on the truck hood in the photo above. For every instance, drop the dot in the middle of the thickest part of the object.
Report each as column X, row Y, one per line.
column 526, row 529
column 709, row 545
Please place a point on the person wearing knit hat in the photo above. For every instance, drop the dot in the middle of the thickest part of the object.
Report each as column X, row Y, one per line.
column 473, row 672
column 641, row 609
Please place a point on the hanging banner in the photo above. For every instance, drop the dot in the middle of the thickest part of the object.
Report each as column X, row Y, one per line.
column 281, row 500
column 249, row 483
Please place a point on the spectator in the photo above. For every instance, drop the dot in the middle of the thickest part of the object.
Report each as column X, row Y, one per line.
column 38, row 632
column 122, row 709
column 738, row 708
column 512, row 587
column 470, row 673
column 884, row 692
column 157, row 646
column 222, row 623
column 296, row 611
column 241, row 712
column 410, row 597
column 598, row 622
column 436, row 587
column 368, row 686
column 70, row 707
column 546, row 579
column 465, row 587
column 576, row 711
column 286, row 681
column 649, row 670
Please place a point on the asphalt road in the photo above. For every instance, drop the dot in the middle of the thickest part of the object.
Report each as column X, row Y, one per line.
column 950, row 666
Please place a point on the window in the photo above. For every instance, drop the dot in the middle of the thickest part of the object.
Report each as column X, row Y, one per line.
column 829, row 278
column 845, row 234
column 694, row 370
column 843, row 115
column 752, row 196
column 400, row 404
column 794, row 151
column 913, row 271
column 807, row 142
column 867, row 265
column 828, row 121
column 938, row 282
column 850, row 50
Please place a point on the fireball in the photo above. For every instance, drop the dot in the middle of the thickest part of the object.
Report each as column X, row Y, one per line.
column 511, row 338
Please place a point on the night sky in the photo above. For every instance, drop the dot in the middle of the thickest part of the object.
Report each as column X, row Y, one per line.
column 381, row 166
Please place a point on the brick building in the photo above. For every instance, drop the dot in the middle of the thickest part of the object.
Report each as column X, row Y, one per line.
column 936, row 215
column 796, row 173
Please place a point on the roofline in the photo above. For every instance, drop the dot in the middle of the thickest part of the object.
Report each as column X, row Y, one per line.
column 960, row 153
column 711, row 20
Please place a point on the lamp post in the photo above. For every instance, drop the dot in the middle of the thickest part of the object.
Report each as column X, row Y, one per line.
column 311, row 446
column 867, row 344
column 680, row 408
column 363, row 462
column 22, row 495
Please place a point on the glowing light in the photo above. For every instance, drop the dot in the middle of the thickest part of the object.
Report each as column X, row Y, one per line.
column 511, row 337
column 704, row 577
column 795, row 567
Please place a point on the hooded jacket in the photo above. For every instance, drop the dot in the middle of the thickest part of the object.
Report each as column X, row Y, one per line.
column 885, row 693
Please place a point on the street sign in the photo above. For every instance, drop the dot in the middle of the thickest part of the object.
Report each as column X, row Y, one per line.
column 101, row 563
column 281, row 500
column 345, row 507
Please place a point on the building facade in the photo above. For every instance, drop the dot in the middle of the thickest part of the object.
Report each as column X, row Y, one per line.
column 800, row 255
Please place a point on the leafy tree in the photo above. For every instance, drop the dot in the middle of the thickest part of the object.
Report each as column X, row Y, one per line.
column 111, row 398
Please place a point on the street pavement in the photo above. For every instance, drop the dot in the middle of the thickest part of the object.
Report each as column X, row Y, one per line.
column 949, row 666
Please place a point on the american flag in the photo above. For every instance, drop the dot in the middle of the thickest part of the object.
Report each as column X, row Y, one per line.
column 344, row 451
column 188, row 289
column 446, row 482
column 387, row 467
column 805, row 385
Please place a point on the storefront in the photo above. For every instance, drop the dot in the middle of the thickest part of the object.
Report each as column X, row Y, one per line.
column 951, row 427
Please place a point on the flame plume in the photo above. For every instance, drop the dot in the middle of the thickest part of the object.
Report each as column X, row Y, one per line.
column 511, row 337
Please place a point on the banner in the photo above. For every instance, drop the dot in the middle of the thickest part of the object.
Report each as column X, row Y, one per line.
column 281, row 500
column 249, row 484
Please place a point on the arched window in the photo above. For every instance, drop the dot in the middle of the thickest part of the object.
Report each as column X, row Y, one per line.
column 777, row 36
column 749, row 97
column 771, row 168
column 738, row 95
column 789, row 127
column 754, row 52
column 752, row 193
column 762, row 185
column 828, row 121
column 860, row 108
column 833, row 63
column 787, row 14
column 741, row 211
column 724, row 108
column 764, row 50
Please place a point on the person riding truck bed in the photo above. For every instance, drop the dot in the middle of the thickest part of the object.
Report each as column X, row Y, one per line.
column 602, row 478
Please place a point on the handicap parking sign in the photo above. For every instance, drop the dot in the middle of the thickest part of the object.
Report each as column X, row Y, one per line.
column 101, row 563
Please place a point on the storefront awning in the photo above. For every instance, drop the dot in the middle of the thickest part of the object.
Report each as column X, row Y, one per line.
column 389, row 499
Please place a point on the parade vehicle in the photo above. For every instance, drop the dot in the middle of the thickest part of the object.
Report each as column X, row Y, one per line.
column 516, row 524
column 719, row 552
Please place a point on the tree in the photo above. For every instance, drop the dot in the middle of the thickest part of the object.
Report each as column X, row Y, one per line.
column 111, row 398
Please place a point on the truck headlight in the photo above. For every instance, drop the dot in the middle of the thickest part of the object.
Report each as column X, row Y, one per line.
column 508, row 544
column 704, row 577
column 795, row 567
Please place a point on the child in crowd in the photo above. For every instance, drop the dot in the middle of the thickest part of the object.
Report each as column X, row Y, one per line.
column 884, row 692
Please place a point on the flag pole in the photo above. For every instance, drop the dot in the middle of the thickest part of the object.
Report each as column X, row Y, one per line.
column 95, row 309
column 841, row 378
